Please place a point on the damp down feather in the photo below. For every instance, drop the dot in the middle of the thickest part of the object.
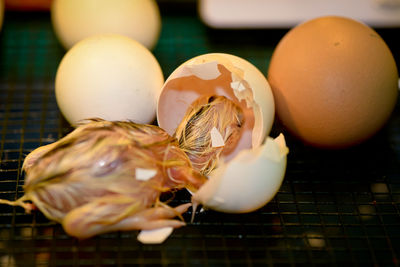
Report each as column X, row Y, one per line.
column 107, row 176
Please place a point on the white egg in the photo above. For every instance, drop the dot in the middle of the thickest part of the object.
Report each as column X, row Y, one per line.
column 252, row 173
column 74, row 20
column 111, row 77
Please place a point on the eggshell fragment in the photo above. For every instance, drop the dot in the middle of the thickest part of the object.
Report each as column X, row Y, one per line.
column 216, row 138
column 155, row 236
column 248, row 181
column 225, row 75
column 111, row 77
column 144, row 174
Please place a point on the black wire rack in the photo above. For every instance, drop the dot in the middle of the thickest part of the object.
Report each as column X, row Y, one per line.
column 334, row 207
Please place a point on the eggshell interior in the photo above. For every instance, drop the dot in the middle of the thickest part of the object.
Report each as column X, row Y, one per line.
column 219, row 74
column 248, row 181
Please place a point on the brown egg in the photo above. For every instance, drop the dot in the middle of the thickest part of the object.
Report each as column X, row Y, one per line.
column 334, row 80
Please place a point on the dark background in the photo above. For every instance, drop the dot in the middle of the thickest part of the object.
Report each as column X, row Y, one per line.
column 335, row 208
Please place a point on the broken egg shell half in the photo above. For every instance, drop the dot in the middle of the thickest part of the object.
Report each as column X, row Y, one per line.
column 219, row 74
column 247, row 182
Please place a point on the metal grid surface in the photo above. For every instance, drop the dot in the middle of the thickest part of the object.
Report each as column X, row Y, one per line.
column 334, row 208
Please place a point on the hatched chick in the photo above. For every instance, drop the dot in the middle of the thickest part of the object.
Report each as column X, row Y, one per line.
column 206, row 117
column 108, row 176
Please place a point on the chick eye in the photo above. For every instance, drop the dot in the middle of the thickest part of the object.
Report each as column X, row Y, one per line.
column 211, row 99
column 104, row 167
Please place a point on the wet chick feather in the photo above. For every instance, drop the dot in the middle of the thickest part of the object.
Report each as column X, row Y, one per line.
column 194, row 133
column 106, row 176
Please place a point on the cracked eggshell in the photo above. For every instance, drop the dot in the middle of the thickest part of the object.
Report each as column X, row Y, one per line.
column 219, row 74
column 247, row 182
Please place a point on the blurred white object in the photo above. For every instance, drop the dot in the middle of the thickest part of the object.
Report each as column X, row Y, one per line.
column 74, row 20
column 288, row 13
column 154, row 236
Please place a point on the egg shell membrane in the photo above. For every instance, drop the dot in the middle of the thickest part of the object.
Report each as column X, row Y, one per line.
column 178, row 93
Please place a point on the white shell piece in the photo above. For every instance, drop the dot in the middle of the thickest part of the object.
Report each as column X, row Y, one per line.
column 248, row 181
column 237, row 85
column 154, row 236
column 216, row 138
column 144, row 174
